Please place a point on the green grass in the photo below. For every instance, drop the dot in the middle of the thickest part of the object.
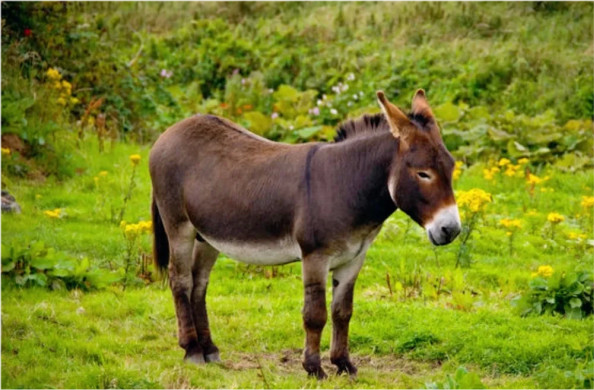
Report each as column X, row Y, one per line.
column 402, row 335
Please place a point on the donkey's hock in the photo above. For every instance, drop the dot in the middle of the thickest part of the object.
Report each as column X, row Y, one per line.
column 219, row 188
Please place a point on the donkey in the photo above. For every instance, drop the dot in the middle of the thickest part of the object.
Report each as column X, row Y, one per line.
column 219, row 188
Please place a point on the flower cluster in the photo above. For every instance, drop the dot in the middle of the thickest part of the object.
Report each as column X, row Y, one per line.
column 555, row 218
column 55, row 213
column 5, row 151
column 489, row 173
column 511, row 170
column 545, row 271
column 62, row 86
column 475, row 199
column 587, row 201
column 132, row 230
column 511, row 223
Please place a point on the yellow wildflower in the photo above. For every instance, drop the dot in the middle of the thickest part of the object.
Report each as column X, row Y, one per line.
column 511, row 223
column 103, row 173
column 55, row 213
column 533, row 179
column 123, row 224
column 532, row 213
column 131, row 231
column 503, row 162
column 37, row 196
column 74, row 100
column 67, row 87
column 523, row 161
column 96, row 179
column 475, row 199
column 457, row 170
column 145, row 226
column 576, row 236
column 489, row 173
column 555, row 218
column 135, row 159
column 547, row 189
column 544, row 270
column 587, row 201
column 53, row 74
column 5, row 151
column 511, row 170
column 61, row 101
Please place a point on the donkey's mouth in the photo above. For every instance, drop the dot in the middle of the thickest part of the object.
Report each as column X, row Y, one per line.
column 433, row 241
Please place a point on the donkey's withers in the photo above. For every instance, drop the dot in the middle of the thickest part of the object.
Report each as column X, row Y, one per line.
column 219, row 188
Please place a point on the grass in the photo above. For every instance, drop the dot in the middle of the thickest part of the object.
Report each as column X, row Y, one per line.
column 429, row 320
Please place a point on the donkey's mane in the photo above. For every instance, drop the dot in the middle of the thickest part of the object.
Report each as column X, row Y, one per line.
column 373, row 124
column 362, row 126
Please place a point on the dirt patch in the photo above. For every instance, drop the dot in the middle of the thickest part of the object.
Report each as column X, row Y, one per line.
column 14, row 143
column 289, row 360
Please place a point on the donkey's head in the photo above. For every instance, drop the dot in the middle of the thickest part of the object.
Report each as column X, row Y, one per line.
column 420, row 181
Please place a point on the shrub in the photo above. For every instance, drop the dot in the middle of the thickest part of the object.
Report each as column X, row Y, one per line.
column 566, row 293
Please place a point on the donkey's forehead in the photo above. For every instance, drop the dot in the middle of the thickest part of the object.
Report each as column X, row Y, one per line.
column 428, row 151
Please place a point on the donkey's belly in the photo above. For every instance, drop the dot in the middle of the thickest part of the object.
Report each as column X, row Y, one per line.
column 282, row 251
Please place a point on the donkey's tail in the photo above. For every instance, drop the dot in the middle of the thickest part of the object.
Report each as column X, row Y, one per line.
column 160, row 240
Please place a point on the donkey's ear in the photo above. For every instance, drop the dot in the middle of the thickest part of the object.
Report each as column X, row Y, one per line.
column 420, row 106
column 399, row 123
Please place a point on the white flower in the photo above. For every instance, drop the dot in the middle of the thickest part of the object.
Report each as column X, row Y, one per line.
column 351, row 77
column 333, row 111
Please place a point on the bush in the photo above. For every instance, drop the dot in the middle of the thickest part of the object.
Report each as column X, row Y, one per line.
column 566, row 293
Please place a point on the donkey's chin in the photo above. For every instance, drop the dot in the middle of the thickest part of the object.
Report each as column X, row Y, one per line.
column 445, row 226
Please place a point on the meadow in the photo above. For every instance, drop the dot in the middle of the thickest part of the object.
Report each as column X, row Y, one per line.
column 506, row 305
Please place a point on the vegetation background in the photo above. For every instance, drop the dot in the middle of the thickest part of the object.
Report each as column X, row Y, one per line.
column 87, row 87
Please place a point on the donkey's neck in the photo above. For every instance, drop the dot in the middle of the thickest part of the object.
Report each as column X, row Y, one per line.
column 355, row 174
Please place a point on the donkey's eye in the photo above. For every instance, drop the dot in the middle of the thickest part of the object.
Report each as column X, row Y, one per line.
column 424, row 175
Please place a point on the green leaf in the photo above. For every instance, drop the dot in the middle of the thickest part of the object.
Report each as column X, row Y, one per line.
column 8, row 266
column 259, row 123
column 42, row 263
column 575, row 302
column 573, row 313
column 447, row 112
column 82, row 267
column 308, row 132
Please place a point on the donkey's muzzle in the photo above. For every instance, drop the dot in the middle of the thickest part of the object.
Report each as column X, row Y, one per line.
column 445, row 226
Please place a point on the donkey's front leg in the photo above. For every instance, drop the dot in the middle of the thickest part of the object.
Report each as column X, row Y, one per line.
column 343, row 282
column 315, row 272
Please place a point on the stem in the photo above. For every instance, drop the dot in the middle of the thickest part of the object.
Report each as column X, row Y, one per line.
column 128, row 195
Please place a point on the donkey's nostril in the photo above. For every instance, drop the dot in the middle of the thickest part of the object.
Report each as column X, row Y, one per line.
column 446, row 230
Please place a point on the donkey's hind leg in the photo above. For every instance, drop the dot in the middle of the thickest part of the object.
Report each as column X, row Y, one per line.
column 181, row 244
column 204, row 259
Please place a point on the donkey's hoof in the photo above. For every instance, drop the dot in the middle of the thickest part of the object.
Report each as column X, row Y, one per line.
column 196, row 358
column 212, row 357
column 345, row 367
column 317, row 372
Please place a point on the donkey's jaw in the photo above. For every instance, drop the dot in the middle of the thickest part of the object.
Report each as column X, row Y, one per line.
column 445, row 226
